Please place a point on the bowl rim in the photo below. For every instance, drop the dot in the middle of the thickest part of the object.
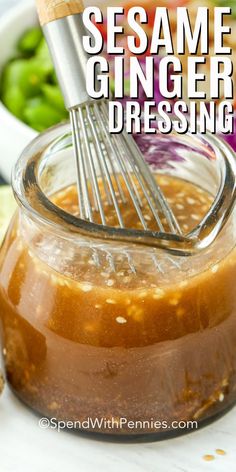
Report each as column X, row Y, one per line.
column 6, row 22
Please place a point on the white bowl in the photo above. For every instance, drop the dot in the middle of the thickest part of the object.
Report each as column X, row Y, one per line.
column 14, row 135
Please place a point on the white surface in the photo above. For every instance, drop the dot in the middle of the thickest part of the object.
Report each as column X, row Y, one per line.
column 6, row 4
column 27, row 448
column 14, row 135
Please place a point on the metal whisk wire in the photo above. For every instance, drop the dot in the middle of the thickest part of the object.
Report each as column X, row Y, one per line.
column 101, row 158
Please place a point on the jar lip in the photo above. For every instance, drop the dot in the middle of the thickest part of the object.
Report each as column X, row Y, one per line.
column 36, row 204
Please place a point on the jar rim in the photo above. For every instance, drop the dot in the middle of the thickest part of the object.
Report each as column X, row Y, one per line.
column 30, row 196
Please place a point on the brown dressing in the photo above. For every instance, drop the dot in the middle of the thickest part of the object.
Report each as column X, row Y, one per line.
column 96, row 343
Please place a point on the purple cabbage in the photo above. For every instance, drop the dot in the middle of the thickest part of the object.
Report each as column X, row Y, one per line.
column 231, row 138
column 159, row 151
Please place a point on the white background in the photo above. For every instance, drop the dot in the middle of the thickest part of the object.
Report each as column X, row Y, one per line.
column 5, row 4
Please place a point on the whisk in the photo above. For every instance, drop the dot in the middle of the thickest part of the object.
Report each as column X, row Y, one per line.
column 101, row 157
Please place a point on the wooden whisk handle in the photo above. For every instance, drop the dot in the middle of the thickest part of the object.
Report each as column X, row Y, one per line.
column 50, row 10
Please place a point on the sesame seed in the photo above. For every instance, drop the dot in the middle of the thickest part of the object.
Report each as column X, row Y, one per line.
column 98, row 306
column 54, row 279
column 199, row 190
column 66, row 201
column 110, row 301
column 179, row 206
column 203, row 200
column 121, row 320
column 174, row 301
column 110, row 282
column 195, row 217
column 126, row 279
column 215, row 268
column 86, row 287
column 90, row 328
column 38, row 309
column 180, row 312
column 220, row 452
column 135, row 312
column 53, row 406
column 159, row 293
column 191, row 201
column 91, row 262
column 142, row 294
column 61, row 194
column 63, row 282
column 208, row 457
column 163, row 181
column 156, row 297
column 184, row 283
column 147, row 217
column 221, row 397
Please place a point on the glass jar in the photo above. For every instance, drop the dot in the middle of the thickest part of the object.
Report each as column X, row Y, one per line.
column 115, row 332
